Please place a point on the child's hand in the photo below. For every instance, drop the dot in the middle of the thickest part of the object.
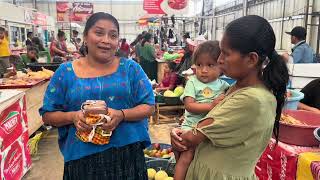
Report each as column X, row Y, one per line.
column 218, row 100
column 176, row 140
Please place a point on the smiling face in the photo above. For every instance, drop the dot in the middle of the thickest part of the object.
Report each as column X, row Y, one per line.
column 102, row 40
column 207, row 69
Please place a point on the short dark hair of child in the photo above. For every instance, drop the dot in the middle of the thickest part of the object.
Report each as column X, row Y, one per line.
column 209, row 47
column 32, row 48
column 172, row 65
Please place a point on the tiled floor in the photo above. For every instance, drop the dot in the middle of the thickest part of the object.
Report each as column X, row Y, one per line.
column 49, row 163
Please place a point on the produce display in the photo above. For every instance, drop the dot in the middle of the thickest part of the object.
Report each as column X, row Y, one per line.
column 26, row 79
column 287, row 119
column 178, row 91
column 157, row 152
column 160, row 175
column 170, row 57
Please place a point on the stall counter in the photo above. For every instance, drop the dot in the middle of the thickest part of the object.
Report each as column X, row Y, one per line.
column 15, row 159
column 34, row 99
column 284, row 161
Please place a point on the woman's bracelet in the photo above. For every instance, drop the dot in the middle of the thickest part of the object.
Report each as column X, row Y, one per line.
column 123, row 115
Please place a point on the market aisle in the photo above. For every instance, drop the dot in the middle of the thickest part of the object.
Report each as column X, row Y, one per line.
column 50, row 163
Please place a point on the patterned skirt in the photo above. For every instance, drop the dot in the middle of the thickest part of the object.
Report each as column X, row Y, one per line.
column 124, row 163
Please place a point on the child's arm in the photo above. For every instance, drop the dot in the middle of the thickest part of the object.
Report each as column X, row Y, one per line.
column 191, row 139
column 193, row 106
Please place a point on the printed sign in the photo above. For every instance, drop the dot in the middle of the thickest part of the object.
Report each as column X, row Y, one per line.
column 10, row 124
column 74, row 12
column 169, row 7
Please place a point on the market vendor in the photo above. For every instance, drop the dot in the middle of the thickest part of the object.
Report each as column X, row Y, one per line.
column 311, row 100
column 30, row 57
column 4, row 51
column 148, row 57
column 231, row 138
column 58, row 48
column 170, row 79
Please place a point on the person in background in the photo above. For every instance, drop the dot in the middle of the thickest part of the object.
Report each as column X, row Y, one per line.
column 148, row 57
column 124, row 48
column 229, row 141
column 184, row 39
column 136, row 47
column 125, row 88
column 311, row 100
column 74, row 41
column 30, row 57
column 78, row 40
column 202, row 93
column 17, row 42
column 37, row 43
column 59, row 47
column 4, row 51
column 301, row 51
column 186, row 61
column 170, row 79
column 29, row 39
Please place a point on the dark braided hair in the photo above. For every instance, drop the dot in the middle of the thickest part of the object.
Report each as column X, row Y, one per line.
column 254, row 34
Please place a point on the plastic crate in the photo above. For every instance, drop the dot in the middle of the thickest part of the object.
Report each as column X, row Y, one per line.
column 38, row 66
column 172, row 100
column 293, row 101
column 162, row 146
column 159, row 98
column 228, row 80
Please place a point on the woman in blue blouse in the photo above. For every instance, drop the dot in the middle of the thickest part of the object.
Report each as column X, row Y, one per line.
column 123, row 85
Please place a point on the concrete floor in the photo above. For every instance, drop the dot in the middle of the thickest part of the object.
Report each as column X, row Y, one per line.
column 48, row 164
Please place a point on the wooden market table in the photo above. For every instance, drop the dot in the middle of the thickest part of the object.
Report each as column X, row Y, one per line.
column 34, row 100
column 161, row 110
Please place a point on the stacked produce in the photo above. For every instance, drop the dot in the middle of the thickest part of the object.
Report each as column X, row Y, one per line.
column 27, row 78
column 160, row 175
column 178, row 91
column 156, row 152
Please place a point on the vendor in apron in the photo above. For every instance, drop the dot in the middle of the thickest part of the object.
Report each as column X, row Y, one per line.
column 58, row 48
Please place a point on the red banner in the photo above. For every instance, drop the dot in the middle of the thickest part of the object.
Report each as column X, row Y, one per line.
column 40, row 19
column 169, row 7
column 74, row 12
column 153, row 6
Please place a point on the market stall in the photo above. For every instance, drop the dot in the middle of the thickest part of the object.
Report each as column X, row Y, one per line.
column 14, row 152
column 33, row 84
column 289, row 162
column 34, row 97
